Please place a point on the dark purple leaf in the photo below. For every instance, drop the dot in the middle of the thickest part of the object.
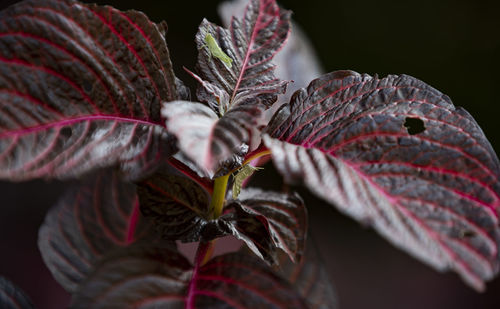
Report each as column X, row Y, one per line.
column 90, row 220
column 238, row 93
column 80, row 88
column 251, row 43
column 177, row 204
column 310, row 278
column 432, row 190
column 136, row 277
column 266, row 221
column 296, row 62
column 241, row 281
column 12, row 297
column 161, row 278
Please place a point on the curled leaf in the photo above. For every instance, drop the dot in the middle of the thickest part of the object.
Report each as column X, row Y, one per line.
column 266, row 221
column 215, row 145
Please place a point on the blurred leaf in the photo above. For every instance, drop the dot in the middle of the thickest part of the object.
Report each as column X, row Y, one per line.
column 160, row 278
column 397, row 154
column 80, row 88
column 12, row 297
column 91, row 219
column 310, row 278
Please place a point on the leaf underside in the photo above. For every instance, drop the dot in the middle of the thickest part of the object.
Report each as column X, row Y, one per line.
column 238, row 94
column 91, row 219
column 159, row 278
column 204, row 138
column 431, row 189
column 80, row 88
column 12, row 297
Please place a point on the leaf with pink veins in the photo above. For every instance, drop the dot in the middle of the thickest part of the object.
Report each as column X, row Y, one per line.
column 395, row 153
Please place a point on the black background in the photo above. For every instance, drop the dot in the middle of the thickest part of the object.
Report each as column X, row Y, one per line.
column 452, row 45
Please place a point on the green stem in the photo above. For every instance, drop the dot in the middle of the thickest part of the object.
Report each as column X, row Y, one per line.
column 218, row 195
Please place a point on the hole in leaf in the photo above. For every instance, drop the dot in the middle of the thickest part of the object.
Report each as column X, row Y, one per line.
column 414, row 125
column 66, row 132
column 467, row 234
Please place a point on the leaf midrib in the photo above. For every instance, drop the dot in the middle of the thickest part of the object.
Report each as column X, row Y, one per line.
column 247, row 56
column 72, row 121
